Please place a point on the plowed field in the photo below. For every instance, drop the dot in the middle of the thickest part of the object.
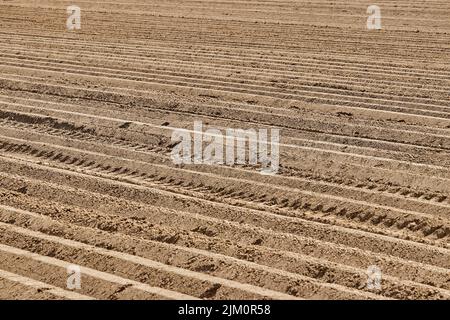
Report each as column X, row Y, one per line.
column 87, row 179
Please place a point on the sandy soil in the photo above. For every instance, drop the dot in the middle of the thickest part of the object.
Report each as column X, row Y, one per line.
column 86, row 177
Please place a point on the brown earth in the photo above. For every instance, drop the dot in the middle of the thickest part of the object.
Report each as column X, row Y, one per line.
column 86, row 177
